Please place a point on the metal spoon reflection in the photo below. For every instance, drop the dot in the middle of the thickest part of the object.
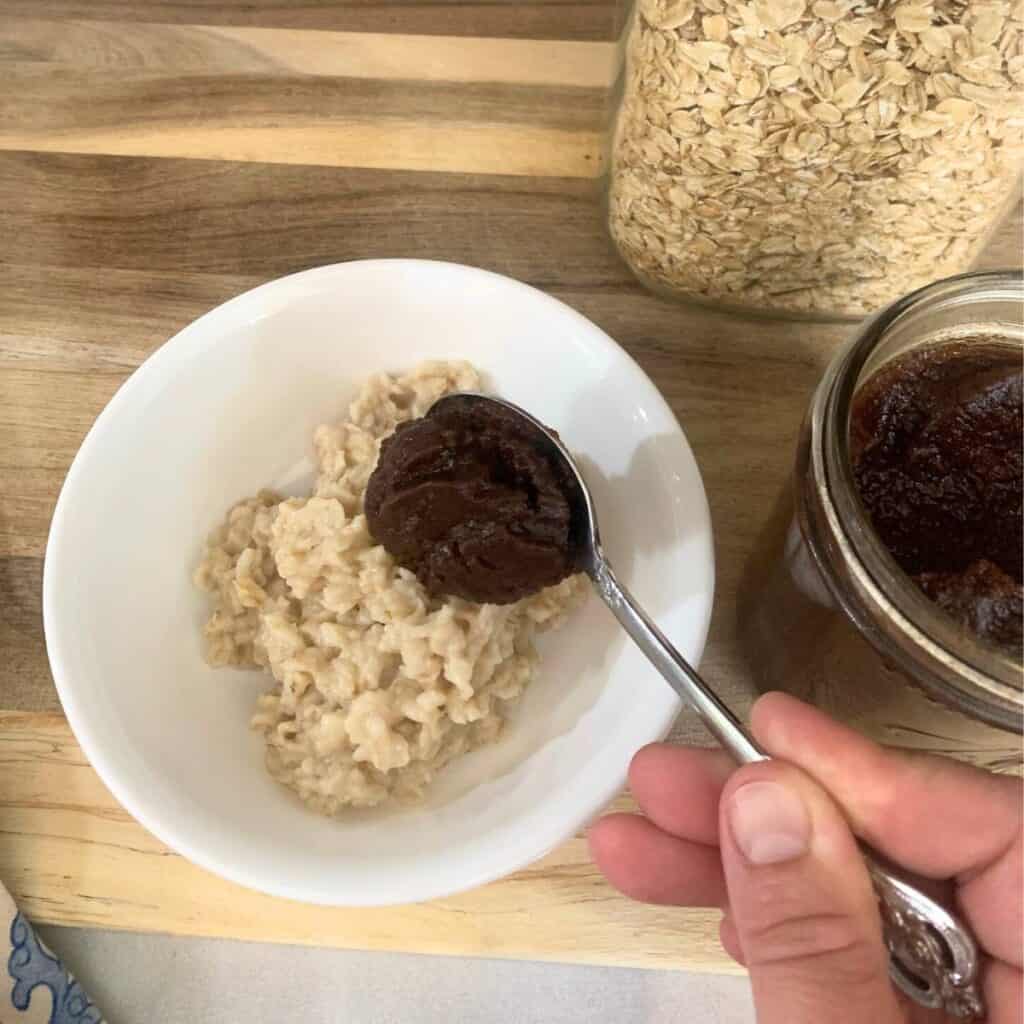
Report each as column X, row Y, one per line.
column 933, row 956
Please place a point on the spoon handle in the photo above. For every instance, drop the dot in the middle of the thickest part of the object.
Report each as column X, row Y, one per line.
column 932, row 955
column 677, row 671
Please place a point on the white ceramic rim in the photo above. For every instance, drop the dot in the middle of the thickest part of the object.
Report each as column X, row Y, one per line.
column 535, row 842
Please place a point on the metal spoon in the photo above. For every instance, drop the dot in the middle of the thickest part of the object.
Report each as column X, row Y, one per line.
column 933, row 956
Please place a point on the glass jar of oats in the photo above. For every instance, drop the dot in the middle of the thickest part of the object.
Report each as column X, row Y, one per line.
column 885, row 605
column 813, row 157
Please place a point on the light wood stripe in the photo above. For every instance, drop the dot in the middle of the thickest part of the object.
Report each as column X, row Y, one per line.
column 117, row 46
column 71, row 855
column 398, row 144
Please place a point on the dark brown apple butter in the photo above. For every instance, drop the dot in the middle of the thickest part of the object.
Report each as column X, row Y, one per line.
column 464, row 499
column 935, row 442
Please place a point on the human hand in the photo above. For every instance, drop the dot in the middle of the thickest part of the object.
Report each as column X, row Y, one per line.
column 770, row 844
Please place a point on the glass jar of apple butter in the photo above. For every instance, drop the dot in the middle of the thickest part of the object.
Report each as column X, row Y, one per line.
column 887, row 587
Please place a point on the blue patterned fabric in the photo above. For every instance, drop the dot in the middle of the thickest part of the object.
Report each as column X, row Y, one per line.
column 32, row 965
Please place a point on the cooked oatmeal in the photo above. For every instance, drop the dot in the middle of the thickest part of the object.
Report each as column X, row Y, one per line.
column 377, row 684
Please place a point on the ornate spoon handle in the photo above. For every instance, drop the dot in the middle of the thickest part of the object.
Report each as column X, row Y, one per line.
column 932, row 956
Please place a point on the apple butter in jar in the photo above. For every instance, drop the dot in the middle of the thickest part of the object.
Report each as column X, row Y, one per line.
column 888, row 587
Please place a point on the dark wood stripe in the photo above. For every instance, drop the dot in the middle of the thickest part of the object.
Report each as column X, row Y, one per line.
column 25, row 681
column 188, row 216
column 594, row 20
column 44, row 98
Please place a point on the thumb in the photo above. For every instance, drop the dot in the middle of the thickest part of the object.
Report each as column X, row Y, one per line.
column 802, row 903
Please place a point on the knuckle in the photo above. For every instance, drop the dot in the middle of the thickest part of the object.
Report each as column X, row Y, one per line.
column 832, row 944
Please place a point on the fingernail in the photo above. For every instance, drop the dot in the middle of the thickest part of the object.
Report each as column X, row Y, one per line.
column 769, row 823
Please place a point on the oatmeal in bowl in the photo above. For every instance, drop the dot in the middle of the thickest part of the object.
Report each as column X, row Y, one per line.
column 234, row 406
column 379, row 683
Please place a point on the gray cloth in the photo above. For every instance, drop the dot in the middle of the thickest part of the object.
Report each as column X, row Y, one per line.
column 142, row 978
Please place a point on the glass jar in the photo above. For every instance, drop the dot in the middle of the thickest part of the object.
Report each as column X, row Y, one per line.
column 812, row 158
column 824, row 610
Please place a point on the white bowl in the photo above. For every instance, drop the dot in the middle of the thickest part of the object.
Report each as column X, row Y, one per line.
column 228, row 406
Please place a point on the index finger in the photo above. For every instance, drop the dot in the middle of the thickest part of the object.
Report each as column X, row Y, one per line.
column 934, row 816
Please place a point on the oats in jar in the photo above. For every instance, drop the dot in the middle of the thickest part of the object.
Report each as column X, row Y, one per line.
column 814, row 157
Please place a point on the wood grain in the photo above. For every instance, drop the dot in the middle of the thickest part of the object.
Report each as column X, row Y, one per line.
column 446, row 146
column 71, row 855
column 188, row 219
column 26, row 682
column 593, row 20
column 210, row 49
column 301, row 97
column 156, row 159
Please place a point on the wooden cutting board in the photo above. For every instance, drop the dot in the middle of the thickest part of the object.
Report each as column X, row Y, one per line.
column 158, row 158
